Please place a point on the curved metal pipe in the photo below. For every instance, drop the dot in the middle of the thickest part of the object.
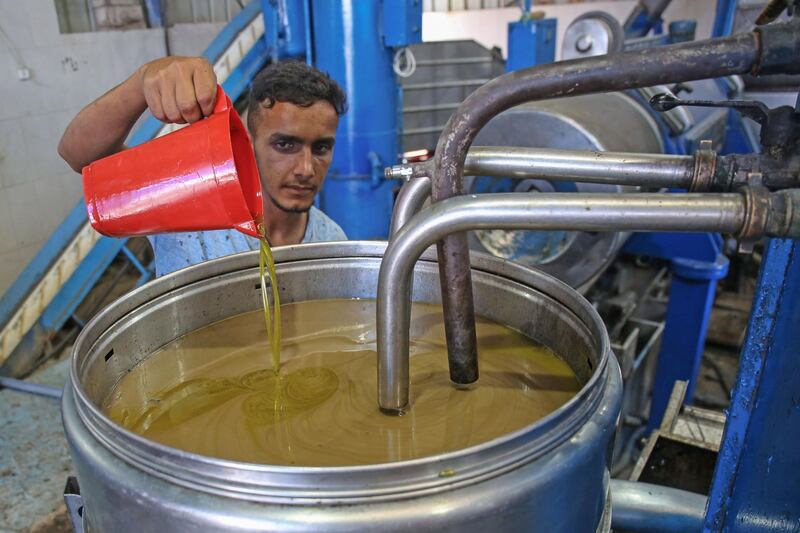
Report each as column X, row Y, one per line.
column 776, row 214
column 738, row 54
column 554, row 211
column 647, row 508
column 28, row 387
column 409, row 201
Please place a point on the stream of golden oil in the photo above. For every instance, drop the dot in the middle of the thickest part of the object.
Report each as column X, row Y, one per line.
column 266, row 270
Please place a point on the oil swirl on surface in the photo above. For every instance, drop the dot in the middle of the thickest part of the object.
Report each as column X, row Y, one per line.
column 210, row 392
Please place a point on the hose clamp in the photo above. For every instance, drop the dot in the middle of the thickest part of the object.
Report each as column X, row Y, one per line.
column 757, row 207
column 705, row 165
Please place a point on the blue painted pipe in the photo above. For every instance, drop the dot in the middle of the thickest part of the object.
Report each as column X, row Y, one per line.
column 28, row 387
column 348, row 44
column 648, row 508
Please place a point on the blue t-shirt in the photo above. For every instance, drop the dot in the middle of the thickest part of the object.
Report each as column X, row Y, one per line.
column 174, row 251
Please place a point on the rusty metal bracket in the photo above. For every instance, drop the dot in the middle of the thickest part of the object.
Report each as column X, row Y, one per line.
column 705, row 166
column 757, row 210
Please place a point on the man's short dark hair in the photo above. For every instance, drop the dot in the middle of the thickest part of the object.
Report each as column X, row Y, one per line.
column 294, row 82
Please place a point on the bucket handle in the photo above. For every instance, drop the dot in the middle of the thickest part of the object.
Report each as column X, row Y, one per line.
column 222, row 102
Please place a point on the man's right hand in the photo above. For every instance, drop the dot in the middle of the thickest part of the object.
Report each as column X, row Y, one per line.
column 175, row 89
column 179, row 89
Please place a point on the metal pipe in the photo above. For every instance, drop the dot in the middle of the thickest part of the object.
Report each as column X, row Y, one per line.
column 30, row 388
column 610, row 168
column 648, row 508
column 91, row 14
column 409, row 201
column 712, row 58
column 777, row 214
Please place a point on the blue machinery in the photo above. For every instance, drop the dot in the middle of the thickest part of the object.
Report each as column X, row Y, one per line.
column 356, row 194
column 696, row 260
column 755, row 486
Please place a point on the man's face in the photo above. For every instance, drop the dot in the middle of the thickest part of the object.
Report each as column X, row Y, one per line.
column 294, row 148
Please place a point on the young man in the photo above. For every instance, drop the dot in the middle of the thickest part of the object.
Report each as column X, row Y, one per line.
column 293, row 112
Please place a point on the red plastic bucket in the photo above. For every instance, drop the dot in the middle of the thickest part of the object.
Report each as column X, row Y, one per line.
column 201, row 177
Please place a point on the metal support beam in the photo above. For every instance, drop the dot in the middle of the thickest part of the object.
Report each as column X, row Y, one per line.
column 155, row 13
column 697, row 263
column 756, row 486
column 723, row 20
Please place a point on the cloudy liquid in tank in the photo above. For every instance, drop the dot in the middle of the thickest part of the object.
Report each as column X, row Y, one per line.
column 210, row 391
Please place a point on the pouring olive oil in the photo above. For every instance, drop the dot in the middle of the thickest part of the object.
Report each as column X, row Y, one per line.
column 266, row 267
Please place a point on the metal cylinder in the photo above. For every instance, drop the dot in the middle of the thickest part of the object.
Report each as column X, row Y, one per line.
column 579, row 123
column 27, row 387
column 131, row 484
column 604, row 168
column 586, row 166
column 355, row 194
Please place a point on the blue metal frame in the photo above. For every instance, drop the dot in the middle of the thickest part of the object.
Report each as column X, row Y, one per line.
column 286, row 28
column 40, row 264
column 756, row 485
column 723, row 19
column 697, row 263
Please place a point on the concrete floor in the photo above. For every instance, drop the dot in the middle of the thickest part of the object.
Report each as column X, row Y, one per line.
column 34, row 460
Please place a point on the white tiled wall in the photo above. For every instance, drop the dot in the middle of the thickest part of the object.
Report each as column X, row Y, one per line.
column 37, row 189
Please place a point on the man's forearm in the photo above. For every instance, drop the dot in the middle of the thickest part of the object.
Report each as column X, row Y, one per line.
column 100, row 129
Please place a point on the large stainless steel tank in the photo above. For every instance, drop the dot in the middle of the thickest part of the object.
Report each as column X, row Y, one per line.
column 603, row 122
column 551, row 476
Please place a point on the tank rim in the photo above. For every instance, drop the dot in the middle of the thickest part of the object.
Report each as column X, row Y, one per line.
column 376, row 481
